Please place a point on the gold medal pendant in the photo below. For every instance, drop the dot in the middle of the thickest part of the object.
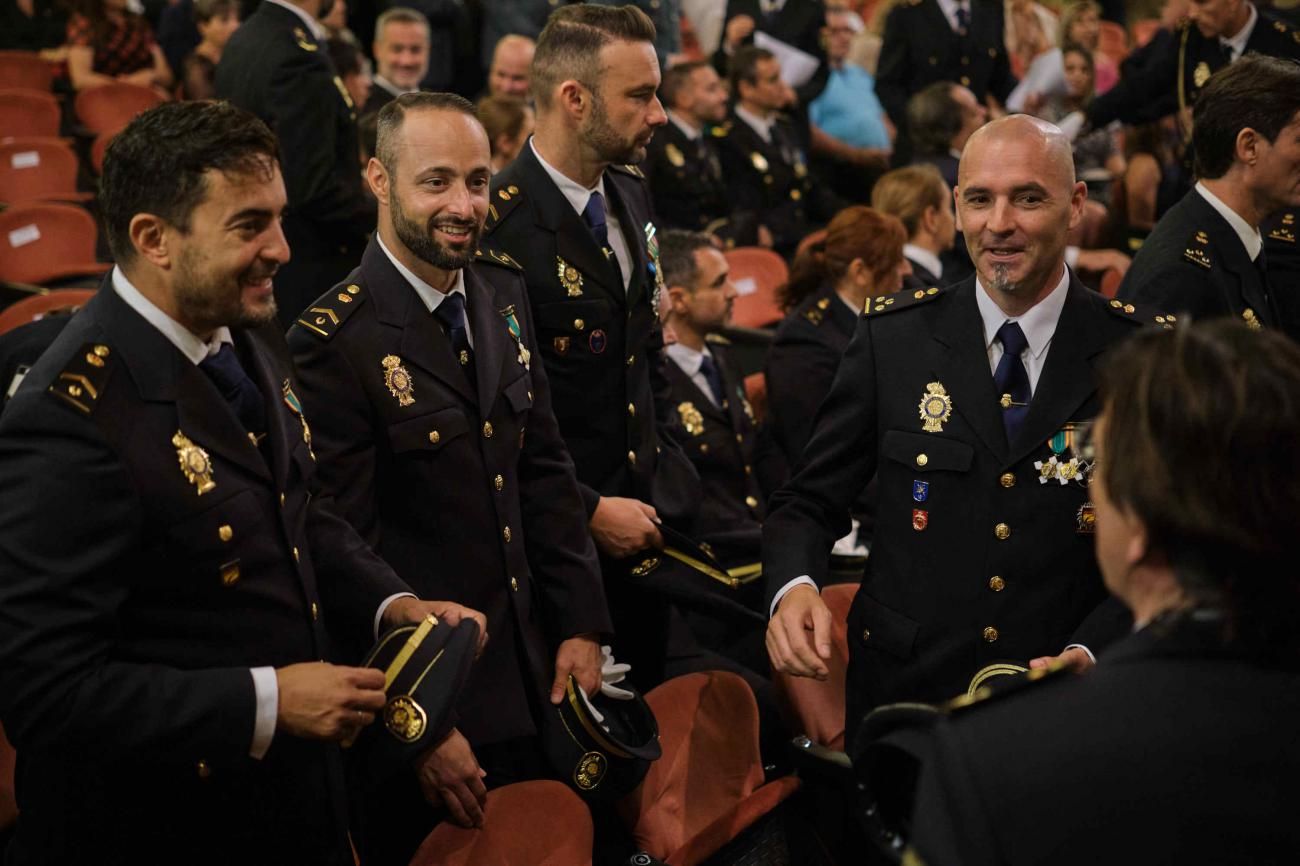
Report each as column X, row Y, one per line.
column 692, row 420
column 398, row 380
column 195, row 463
column 570, row 279
column 935, row 408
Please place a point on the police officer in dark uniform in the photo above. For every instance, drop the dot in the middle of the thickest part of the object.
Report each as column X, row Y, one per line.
column 276, row 66
column 576, row 216
column 1167, row 74
column 1283, row 257
column 963, row 402
column 942, row 40
column 166, row 572
column 682, row 167
column 797, row 23
column 1206, row 255
column 1209, row 679
column 763, row 161
column 436, row 434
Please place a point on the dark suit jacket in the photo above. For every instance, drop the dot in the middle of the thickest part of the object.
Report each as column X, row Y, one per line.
column 1193, row 263
column 275, row 69
column 1113, row 750
column 772, row 181
column 919, row 47
column 434, row 485
column 929, row 614
column 379, row 97
column 136, row 601
column 685, row 180
column 1170, row 70
column 920, row 278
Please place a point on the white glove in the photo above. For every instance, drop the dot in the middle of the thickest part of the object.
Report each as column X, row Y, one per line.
column 611, row 673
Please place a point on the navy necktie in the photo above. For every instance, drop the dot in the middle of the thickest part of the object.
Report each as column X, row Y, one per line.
column 594, row 216
column 451, row 313
column 963, row 19
column 239, row 391
column 713, row 377
column 1012, row 379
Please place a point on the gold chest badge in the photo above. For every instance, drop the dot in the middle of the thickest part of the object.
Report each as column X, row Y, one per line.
column 1201, row 74
column 1251, row 320
column 692, row 420
column 569, row 278
column 398, row 380
column 759, row 161
column 195, row 463
column 935, row 408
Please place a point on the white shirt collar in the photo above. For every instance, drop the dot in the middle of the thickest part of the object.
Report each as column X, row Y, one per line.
column 688, row 129
column 756, row 123
column 576, row 194
column 314, row 27
column 1237, row 42
column 687, row 358
column 924, row 258
column 1248, row 233
column 177, row 334
column 388, row 85
column 1039, row 323
column 949, row 10
column 431, row 296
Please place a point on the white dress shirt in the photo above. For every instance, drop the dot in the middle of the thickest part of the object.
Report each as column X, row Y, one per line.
column 1249, row 234
column 691, row 360
column 924, row 258
column 688, row 129
column 1236, row 44
column 949, row 10
column 428, row 294
column 762, row 126
column 577, row 196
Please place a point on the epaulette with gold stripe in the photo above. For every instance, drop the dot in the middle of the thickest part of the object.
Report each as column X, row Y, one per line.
column 1285, row 229
column 82, row 381
column 899, row 301
column 1141, row 314
column 633, row 170
column 989, row 685
column 722, row 130
column 495, row 257
column 501, row 202
column 717, row 339
column 331, row 310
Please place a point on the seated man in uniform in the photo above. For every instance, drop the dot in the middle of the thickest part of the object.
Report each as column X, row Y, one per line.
column 1180, row 745
column 169, row 565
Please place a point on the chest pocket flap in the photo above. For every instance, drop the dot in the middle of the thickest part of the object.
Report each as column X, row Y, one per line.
column 428, row 432
column 575, row 316
column 520, row 394
column 924, row 452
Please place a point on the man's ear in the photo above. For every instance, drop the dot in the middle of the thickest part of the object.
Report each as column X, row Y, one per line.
column 149, row 235
column 1247, row 146
column 573, row 98
column 677, row 300
column 378, row 179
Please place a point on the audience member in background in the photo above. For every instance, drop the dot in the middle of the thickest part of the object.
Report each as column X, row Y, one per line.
column 860, row 257
column 444, row 20
column 335, row 21
column 503, row 19
column 178, row 34
column 34, row 25
column 401, row 52
column 1030, row 32
column 1153, row 179
column 1195, row 535
column 920, row 198
column 851, row 137
column 216, row 21
column 1081, row 25
column 762, row 160
column 353, row 69
column 940, row 119
column 107, row 43
column 955, row 41
column 511, row 59
column 508, row 123
column 682, row 166
column 796, row 23
column 1205, row 257
column 1097, row 149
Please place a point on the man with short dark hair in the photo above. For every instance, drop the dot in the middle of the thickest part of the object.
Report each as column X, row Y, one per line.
column 961, row 402
column 1195, row 534
column 401, row 52
column 168, row 567
column 573, row 210
column 682, row 167
column 277, row 66
column 1205, row 256
column 940, row 120
column 763, row 158
column 435, row 432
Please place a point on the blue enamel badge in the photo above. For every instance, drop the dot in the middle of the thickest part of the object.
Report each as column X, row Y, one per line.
column 920, row 490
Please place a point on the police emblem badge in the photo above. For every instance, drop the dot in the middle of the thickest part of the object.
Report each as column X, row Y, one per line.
column 569, row 278
column 692, row 420
column 405, row 718
column 398, row 380
column 935, row 408
column 195, row 463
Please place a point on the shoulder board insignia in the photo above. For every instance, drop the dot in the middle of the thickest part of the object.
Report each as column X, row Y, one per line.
column 82, row 381
column 1141, row 315
column 305, row 42
column 491, row 256
column 633, row 170
column 814, row 315
column 1285, row 231
column 720, row 131
column 1197, row 250
column 983, row 692
column 331, row 310
column 899, row 301
column 717, row 339
column 504, row 199
column 1279, row 26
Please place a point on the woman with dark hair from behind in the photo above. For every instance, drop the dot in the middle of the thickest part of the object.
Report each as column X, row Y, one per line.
column 216, row 20
column 861, row 256
column 1180, row 745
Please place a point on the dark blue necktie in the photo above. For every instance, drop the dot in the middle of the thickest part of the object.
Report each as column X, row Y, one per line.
column 963, row 19
column 713, row 377
column 239, row 391
column 594, row 216
column 1012, row 379
column 451, row 313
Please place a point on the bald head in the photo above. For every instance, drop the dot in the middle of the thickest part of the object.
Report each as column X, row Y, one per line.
column 1024, row 130
column 509, row 73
